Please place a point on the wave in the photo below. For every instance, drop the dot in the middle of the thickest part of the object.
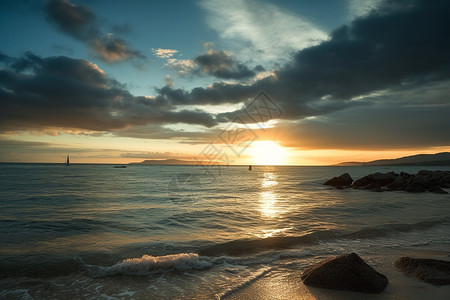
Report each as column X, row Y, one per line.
column 249, row 246
column 148, row 264
column 151, row 265
column 389, row 229
column 248, row 252
column 240, row 247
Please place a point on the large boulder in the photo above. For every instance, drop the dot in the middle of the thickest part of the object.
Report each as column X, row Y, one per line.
column 424, row 180
column 379, row 178
column 346, row 272
column 445, row 181
column 417, row 184
column 433, row 271
column 398, row 184
column 342, row 180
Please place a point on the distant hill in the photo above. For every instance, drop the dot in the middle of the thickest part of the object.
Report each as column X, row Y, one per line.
column 177, row 162
column 438, row 159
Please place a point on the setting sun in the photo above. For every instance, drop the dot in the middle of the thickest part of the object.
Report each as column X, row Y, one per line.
column 268, row 153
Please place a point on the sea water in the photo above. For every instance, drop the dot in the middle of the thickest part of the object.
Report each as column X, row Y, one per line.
column 186, row 232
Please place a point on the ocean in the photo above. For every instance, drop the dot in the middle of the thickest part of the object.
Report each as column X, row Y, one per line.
column 186, row 232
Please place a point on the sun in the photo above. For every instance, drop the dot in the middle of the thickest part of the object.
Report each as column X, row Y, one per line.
column 267, row 153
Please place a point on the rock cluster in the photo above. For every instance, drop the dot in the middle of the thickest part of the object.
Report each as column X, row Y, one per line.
column 346, row 272
column 433, row 271
column 432, row 181
column 350, row 273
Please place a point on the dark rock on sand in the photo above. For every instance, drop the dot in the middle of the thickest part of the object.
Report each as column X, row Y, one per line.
column 340, row 181
column 433, row 271
column 346, row 272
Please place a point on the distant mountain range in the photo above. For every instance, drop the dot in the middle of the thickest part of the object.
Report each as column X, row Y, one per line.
column 438, row 159
column 173, row 162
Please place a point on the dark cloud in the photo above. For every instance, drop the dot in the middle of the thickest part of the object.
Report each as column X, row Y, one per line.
column 222, row 64
column 386, row 49
column 400, row 44
column 61, row 92
column 19, row 151
column 82, row 24
column 334, row 93
column 380, row 127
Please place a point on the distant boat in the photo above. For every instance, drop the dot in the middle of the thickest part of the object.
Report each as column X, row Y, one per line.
column 250, row 167
column 120, row 166
column 67, row 160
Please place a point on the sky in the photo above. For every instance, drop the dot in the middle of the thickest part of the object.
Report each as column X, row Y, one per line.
column 234, row 82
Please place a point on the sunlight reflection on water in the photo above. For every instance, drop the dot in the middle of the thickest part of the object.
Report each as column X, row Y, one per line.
column 268, row 199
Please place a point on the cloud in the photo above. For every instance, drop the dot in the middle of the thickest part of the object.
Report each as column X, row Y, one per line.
column 222, row 64
column 156, row 155
column 387, row 49
column 61, row 92
column 164, row 53
column 380, row 81
column 19, row 151
column 261, row 30
column 81, row 23
column 380, row 127
column 360, row 8
column 393, row 48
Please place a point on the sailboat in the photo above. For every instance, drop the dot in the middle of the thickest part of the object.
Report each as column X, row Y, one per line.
column 250, row 167
column 67, row 160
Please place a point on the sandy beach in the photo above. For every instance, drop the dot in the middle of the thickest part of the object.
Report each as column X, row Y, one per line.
column 285, row 284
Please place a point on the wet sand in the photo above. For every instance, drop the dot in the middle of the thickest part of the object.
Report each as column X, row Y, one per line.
column 286, row 284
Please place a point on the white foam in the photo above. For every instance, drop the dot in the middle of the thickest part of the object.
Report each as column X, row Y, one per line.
column 149, row 264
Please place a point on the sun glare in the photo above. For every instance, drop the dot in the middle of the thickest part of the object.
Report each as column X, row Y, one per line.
column 268, row 153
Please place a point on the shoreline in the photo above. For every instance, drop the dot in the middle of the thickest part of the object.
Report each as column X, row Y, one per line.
column 286, row 284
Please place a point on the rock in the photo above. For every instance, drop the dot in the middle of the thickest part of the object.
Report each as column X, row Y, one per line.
column 363, row 181
column 398, row 184
column 346, row 272
column 433, row 271
column 405, row 175
column 381, row 178
column 423, row 172
column 373, row 186
column 445, row 181
column 342, row 180
column 332, row 182
column 417, row 184
column 423, row 181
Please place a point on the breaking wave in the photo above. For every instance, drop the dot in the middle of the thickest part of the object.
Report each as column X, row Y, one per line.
column 148, row 264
